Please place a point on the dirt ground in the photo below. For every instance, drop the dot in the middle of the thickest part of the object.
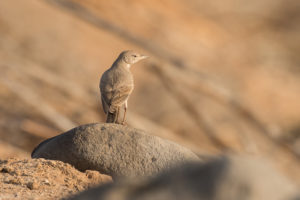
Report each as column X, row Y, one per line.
column 44, row 179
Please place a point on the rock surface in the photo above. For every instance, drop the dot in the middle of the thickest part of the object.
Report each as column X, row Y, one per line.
column 232, row 178
column 113, row 149
column 44, row 179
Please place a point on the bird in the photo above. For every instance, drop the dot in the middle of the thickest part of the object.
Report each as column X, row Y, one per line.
column 116, row 85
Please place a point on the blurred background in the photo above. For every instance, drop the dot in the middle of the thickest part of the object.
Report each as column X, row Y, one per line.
column 224, row 76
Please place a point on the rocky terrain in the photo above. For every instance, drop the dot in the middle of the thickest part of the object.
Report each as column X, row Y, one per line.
column 222, row 77
column 142, row 166
column 44, row 179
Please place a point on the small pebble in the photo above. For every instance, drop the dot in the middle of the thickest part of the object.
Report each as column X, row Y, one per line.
column 32, row 185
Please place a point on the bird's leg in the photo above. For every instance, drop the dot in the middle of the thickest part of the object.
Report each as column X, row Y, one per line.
column 125, row 109
column 117, row 115
column 123, row 121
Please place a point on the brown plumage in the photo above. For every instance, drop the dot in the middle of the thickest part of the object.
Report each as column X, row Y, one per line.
column 116, row 85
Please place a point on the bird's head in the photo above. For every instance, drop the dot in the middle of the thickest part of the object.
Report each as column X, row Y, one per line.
column 131, row 57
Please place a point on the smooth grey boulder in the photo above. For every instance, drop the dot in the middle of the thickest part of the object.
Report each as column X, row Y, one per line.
column 113, row 149
column 227, row 178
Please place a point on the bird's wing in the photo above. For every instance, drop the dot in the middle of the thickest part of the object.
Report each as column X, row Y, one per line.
column 120, row 95
column 104, row 104
column 104, row 93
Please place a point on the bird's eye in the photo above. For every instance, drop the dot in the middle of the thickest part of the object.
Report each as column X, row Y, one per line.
column 134, row 55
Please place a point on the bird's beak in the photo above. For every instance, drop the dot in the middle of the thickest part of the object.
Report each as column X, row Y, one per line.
column 143, row 57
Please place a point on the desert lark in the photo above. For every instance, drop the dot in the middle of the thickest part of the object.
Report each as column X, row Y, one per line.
column 116, row 85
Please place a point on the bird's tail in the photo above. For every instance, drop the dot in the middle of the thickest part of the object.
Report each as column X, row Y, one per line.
column 112, row 117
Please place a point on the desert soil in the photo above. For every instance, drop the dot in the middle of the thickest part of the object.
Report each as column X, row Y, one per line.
column 44, row 179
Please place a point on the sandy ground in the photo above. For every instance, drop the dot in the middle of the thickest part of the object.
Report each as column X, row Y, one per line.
column 44, row 179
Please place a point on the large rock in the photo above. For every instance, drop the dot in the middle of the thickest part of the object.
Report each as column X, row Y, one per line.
column 113, row 149
column 231, row 178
